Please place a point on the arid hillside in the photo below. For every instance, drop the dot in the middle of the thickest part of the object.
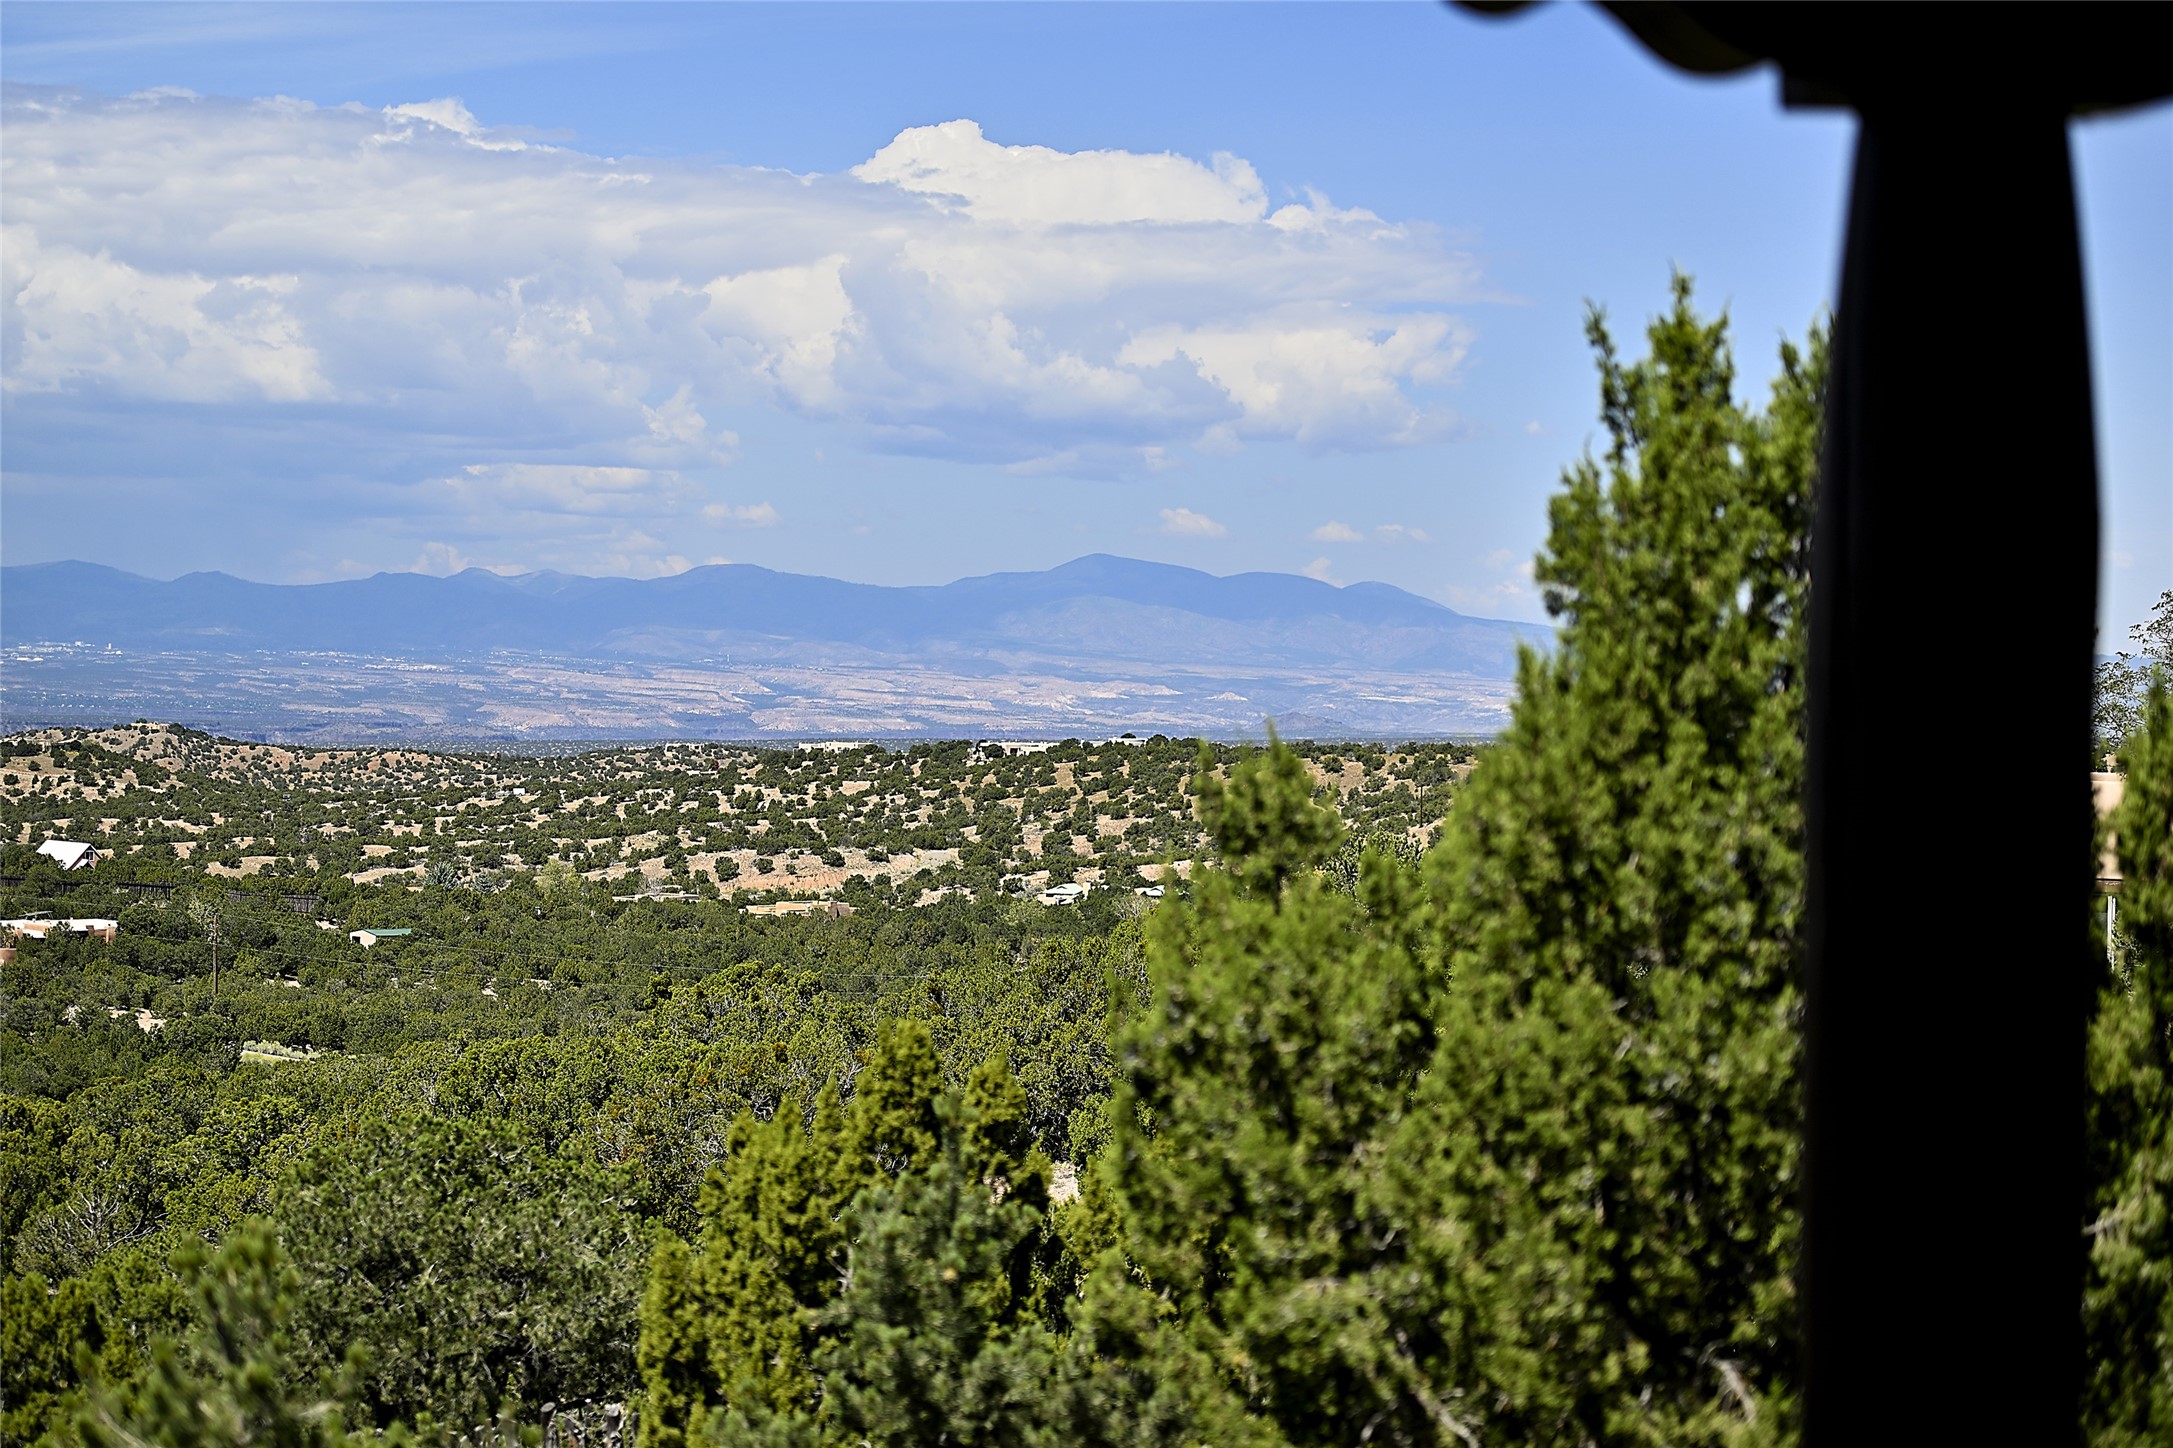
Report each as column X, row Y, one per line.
column 689, row 817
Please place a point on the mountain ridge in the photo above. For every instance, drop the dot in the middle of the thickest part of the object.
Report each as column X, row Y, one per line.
column 1096, row 645
column 1100, row 605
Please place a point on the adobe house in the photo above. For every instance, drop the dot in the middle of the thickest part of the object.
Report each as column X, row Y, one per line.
column 39, row 926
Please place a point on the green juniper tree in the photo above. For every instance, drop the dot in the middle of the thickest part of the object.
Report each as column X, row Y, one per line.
column 99, row 1328
column 941, row 1332
column 792, row 1308
column 229, row 1381
column 1284, row 1035
column 2128, row 1300
column 1603, row 1178
column 478, row 1271
column 734, row 1321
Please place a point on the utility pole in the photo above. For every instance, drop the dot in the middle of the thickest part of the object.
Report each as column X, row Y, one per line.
column 206, row 913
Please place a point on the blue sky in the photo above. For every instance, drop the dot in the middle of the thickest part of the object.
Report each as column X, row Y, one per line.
column 902, row 293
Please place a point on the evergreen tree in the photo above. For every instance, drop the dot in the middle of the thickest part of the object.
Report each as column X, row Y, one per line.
column 229, row 1383
column 939, row 1335
column 101, row 1325
column 1285, row 1033
column 732, row 1332
column 477, row 1271
column 2128, row 1299
column 1603, row 1179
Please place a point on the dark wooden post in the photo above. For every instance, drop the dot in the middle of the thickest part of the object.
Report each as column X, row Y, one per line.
column 1953, row 599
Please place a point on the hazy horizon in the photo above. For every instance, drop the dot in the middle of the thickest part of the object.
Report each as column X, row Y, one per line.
column 510, row 573
column 908, row 293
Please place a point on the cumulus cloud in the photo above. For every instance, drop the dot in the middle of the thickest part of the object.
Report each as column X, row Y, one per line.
column 441, row 559
column 451, row 114
column 445, row 291
column 1334, row 532
column 1319, row 568
column 1401, row 533
column 957, row 165
column 82, row 319
column 1322, row 375
column 1184, row 523
column 558, row 489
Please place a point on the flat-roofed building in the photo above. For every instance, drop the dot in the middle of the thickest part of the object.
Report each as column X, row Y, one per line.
column 38, row 927
column 835, row 909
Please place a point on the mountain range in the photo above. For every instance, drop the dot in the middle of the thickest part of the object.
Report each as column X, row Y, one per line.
column 1098, row 606
column 1270, row 642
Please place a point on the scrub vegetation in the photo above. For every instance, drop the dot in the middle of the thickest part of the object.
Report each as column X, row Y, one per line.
column 165, row 802
column 1447, row 1096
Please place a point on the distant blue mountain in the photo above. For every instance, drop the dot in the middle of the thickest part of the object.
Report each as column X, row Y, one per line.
column 1097, row 608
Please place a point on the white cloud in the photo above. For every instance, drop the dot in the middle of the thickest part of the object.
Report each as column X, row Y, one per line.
column 442, row 290
column 632, row 522
column 448, row 113
column 1535, row 428
column 753, row 515
column 481, row 489
column 1335, row 532
column 1326, row 376
column 613, row 551
column 441, row 559
column 1032, row 185
column 77, row 318
column 1318, row 568
column 1184, row 523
